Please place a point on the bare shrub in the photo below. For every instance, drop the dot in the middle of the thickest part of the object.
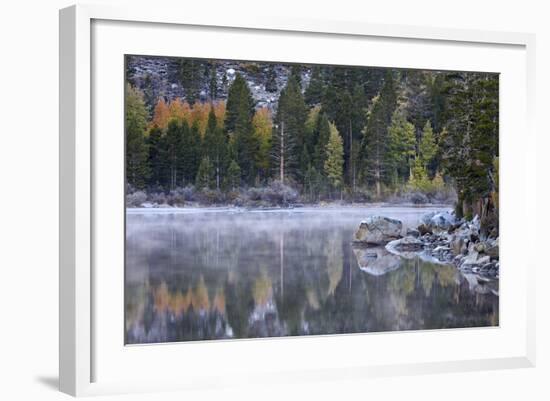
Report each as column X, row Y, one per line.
column 175, row 198
column 254, row 194
column 417, row 198
column 158, row 198
column 136, row 199
column 279, row 193
column 210, row 196
column 188, row 193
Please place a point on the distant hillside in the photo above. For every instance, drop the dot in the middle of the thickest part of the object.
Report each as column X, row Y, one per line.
column 162, row 76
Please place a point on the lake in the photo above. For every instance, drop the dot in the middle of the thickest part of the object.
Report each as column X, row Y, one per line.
column 204, row 274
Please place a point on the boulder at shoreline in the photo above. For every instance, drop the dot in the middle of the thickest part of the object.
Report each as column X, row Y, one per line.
column 436, row 222
column 378, row 230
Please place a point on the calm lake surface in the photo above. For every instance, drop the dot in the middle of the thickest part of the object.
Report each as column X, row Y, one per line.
column 201, row 274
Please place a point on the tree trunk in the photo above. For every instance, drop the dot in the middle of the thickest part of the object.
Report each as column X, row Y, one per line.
column 282, row 263
column 377, row 181
column 351, row 172
column 282, row 155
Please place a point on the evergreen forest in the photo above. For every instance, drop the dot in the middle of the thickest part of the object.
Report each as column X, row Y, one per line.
column 264, row 134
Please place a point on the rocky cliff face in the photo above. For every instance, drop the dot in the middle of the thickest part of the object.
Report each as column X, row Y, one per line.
column 159, row 77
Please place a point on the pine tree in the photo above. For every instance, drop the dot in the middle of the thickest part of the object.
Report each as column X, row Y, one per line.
column 455, row 138
column 205, row 176
column 233, row 175
column 337, row 97
column 319, row 152
column 470, row 141
column 495, row 179
column 155, row 158
column 375, row 157
column 238, row 123
column 149, row 95
column 213, row 84
column 334, row 163
column 296, row 74
column 436, row 95
column 313, row 183
column 419, row 177
column 190, row 71
column 355, row 124
column 312, row 122
column 172, row 153
column 189, row 152
column 215, row 146
column 237, row 94
column 224, row 80
column 315, row 90
column 416, row 99
column 372, row 80
column 402, row 144
column 291, row 161
column 345, row 103
column 246, row 142
column 427, row 147
column 209, row 139
column 311, row 131
column 271, row 82
column 137, row 169
column 283, row 152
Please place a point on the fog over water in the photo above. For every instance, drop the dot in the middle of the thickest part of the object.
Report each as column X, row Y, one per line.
column 199, row 274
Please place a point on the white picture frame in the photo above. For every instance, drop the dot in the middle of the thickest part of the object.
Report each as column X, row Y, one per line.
column 81, row 213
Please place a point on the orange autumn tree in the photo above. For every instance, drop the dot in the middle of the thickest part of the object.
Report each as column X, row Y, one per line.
column 161, row 114
column 199, row 116
column 179, row 110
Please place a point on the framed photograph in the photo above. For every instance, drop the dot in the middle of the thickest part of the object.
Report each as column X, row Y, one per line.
column 345, row 200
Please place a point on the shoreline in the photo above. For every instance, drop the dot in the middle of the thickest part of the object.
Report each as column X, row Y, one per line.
column 301, row 207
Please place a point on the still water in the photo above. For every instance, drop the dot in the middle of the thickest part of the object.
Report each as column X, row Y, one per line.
column 202, row 274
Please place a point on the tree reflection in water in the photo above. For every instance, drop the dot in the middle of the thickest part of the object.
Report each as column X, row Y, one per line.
column 203, row 276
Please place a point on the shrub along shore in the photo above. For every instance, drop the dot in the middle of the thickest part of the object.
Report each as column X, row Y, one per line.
column 279, row 195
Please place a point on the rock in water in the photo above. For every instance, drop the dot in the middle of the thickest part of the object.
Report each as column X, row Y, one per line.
column 378, row 230
column 407, row 244
column 376, row 261
column 407, row 247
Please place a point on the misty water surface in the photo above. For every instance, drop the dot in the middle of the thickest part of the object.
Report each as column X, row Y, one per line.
column 218, row 274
